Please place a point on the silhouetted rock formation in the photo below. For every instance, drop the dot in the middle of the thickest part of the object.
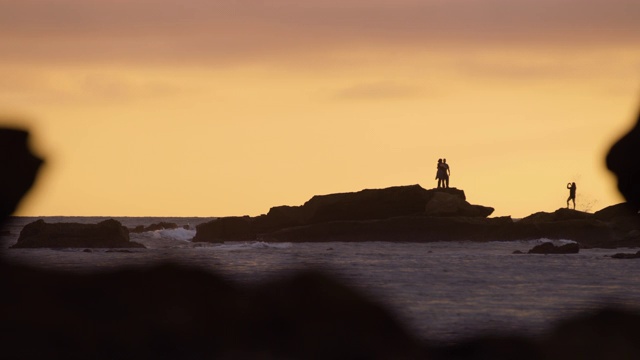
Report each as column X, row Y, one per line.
column 163, row 225
column 549, row 248
column 106, row 234
column 18, row 167
column 359, row 209
column 411, row 213
column 611, row 227
column 402, row 229
column 561, row 214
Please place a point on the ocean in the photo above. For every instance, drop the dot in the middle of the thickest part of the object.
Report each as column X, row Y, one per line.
column 443, row 291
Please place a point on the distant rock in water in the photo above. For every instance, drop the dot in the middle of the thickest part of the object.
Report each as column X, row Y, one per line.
column 549, row 248
column 106, row 234
column 163, row 225
column 626, row 256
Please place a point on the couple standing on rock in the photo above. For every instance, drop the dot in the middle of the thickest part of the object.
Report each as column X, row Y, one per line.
column 572, row 194
column 442, row 175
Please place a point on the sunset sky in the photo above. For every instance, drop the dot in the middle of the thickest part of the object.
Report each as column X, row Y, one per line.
column 216, row 108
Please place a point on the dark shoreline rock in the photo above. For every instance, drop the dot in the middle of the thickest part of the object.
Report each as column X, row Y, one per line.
column 105, row 234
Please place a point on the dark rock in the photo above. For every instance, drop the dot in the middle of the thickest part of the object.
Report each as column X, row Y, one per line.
column 307, row 315
column 176, row 312
column 446, row 204
column 517, row 252
column 626, row 256
column 19, row 168
column 401, row 229
column 561, row 214
column 622, row 210
column 226, row 229
column 549, row 248
column 154, row 227
column 605, row 333
column 87, row 250
column 622, row 160
column 363, row 206
column 106, row 234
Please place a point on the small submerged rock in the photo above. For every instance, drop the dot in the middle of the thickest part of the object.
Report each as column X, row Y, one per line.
column 549, row 248
column 626, row 255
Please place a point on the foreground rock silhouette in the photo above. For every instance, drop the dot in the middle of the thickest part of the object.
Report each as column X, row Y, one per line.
column 19, row 169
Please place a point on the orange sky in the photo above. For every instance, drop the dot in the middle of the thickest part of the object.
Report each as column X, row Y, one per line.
column 200, row 108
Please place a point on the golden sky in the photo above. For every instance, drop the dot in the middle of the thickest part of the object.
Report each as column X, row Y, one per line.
column 215, row 108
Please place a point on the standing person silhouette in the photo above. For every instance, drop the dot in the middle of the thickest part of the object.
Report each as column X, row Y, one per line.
column 441, row 174
column 572, row 194
column 446, row 173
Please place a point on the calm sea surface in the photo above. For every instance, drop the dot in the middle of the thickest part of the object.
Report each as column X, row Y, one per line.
column 442, row 290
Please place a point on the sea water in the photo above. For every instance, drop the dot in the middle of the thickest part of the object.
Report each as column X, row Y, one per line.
column 443, row 291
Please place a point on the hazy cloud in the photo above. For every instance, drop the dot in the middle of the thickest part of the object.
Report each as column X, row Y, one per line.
column 91, row 30
column 383, row 90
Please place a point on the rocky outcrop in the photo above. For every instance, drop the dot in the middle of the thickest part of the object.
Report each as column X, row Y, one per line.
column 549, row 248
column 401, row 229
column 106, row 234
column 365, row 206
column 411, row 213
column 611, row 227
column 561, row 214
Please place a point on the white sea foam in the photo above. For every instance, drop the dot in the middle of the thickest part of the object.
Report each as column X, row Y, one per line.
column 255, row 245
column 176, row 234
column 166, row 238
column 555, row 242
